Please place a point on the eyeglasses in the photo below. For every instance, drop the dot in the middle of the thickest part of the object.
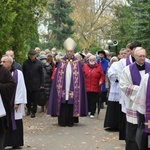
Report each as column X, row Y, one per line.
column 141, row 56
column 4, row 61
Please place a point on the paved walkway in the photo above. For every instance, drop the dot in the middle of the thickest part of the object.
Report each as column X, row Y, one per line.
column 43, row 133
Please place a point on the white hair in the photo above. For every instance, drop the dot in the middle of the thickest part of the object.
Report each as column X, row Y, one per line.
column 42, row 53
column 10, row 59
column 106, row 52
column 122, row 49
column 138, row 49
column 114, row 58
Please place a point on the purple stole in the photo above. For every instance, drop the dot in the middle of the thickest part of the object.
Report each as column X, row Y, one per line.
column 135, row 74
column 128, row 61
column 14, row 127
column 136, row 79
column 74, row 86
column 147, row 114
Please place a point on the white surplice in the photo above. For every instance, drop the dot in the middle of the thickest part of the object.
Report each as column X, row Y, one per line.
column 20, row 96
column 130, row 91
column 140, row 99
column 2, row 109
column 121, row 66
column 114, row 86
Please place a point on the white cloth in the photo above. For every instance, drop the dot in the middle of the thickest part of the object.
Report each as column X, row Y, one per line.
column 114, row 86
column 20, row 96
column 68, row 79
column 2, row 109
column 121, row 66
column 126, row 85
column 147, row 60
column 140, row 99
column 122, row 101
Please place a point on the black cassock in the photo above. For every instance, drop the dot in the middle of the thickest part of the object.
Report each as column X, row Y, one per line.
column 15, row 137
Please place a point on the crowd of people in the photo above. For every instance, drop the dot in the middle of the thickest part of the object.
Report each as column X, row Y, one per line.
column 73, row 85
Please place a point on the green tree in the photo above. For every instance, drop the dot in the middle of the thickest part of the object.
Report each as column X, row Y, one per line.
column 25, row 26
column 60, row 23
column 141, row 23
column 6, row 21
column 92, row 20
column 18, row 25
column 121, row 29
column 131, row 22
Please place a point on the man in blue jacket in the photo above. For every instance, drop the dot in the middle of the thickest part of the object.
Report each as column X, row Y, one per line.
column 104, row 63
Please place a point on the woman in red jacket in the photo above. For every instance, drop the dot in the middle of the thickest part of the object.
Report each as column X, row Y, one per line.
column 94, row 77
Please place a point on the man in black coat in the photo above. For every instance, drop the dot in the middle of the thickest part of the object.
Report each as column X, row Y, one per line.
column 7, row 89
column 34, row 80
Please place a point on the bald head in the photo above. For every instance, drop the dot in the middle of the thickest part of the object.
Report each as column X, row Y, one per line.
column 140, row 55
column 10, row 53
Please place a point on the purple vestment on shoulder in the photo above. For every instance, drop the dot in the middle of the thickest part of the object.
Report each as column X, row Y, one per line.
column 77, row 92
column 147, row 114
column 128, row 62
column 14, row 127
column 136, row 79
column 135, row 74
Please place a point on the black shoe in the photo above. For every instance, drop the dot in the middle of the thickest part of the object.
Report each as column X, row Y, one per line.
column 32, row 115
column 28, row 112
column 16, row 147
column 70, row 125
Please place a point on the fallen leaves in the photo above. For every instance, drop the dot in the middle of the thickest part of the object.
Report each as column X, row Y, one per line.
column 107, row 139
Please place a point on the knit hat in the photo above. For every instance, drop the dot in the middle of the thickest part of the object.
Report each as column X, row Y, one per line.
column 32, row 52
column 88, row 55
column 42, row 57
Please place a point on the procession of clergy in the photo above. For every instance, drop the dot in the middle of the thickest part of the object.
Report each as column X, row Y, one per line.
column 81, row 83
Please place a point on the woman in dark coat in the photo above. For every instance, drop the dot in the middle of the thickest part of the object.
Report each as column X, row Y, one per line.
column 47, row 70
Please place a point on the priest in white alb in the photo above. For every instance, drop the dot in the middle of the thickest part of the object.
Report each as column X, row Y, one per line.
column 142, row 105
column 129, row 84
column 14, row 136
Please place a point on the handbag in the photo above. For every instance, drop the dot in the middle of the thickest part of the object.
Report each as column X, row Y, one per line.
column 141, row 136
column 42, row 98
column 2, row 109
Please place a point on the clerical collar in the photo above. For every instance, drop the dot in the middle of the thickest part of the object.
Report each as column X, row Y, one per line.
column 140, row 67
column 133, row 59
